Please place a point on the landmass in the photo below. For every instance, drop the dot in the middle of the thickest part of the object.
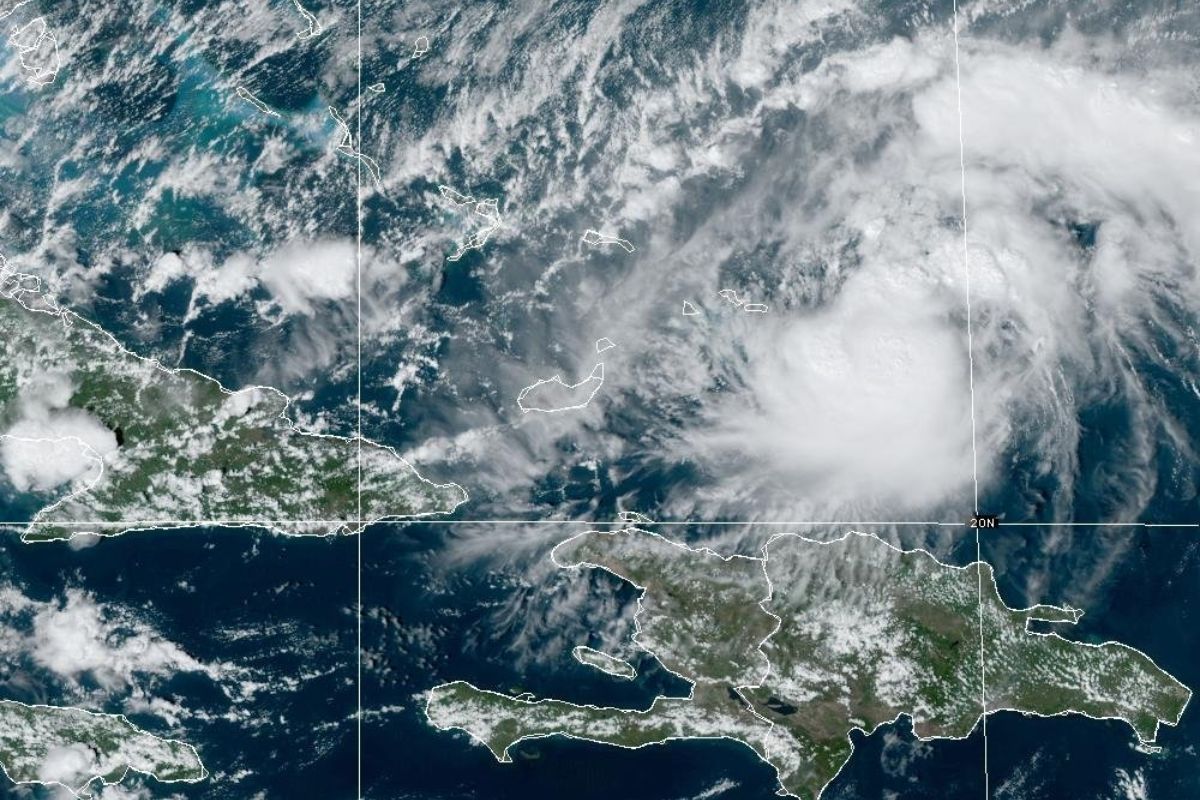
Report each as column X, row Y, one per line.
column 731, row 296
column 253, row 100
column 609, row 665
column 119, row 442
column 76, row 748
column 596, row 238
column 314, row 25
column 790, row 650
column 549, row 395
column 488, row 210
column 346, row 147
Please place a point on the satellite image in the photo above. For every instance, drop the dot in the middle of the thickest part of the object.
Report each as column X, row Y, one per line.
column 594, row 399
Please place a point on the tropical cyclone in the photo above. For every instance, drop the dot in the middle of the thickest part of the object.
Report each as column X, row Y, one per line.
column 790, row 650
column 75, row 748
column 117, row 440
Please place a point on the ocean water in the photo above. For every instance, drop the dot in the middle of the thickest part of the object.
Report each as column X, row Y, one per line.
column 280, row 612
column 275, row 618
column 284, row 607
column 1027, row 757
column 280, row 609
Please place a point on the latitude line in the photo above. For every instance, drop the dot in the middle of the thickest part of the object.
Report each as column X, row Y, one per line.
column 962, row 177
column 243, row 523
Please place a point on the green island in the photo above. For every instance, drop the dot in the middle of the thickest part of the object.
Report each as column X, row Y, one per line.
column 76, row 749
column 791, row 650
column 137, row 445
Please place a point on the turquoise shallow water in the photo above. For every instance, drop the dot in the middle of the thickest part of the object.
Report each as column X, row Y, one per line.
column 150, row 155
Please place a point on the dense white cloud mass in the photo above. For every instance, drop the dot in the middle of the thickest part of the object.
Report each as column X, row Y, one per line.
column 65, row 764
column 835, row 193
column 76, row 636
column 805, row 154
column 40, row 454
column 296, row 275
column 300, row 274
column 811, row 156
column 864, row 399
column 51, row 444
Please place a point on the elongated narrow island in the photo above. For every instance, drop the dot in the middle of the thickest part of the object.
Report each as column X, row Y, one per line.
column 609, row 665
column 113, row 442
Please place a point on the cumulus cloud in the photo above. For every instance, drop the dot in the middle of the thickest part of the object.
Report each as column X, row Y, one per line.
column 41, row 454
column 803, row 153
column 122, row 791
column 76, row 636
column 865, row 401
column 1131, row 786
column 299, row 274
column 853, row 395
column 49, row 444
column 65, row 764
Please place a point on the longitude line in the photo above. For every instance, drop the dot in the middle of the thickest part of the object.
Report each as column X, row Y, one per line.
column 358, row 716
column 962, row 174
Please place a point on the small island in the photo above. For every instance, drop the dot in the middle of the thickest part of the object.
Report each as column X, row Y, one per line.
column 790, row 650
column 609, row 665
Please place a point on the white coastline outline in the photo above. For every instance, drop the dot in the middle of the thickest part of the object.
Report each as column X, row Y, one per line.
column 595, row 238
column 1143, row 745
column 346, row 147
column 731, row 296
column 40, row 76
column 83, row 791
column 612, row 665
column 597, row 374
column 962, row 175
column 488, row 209
column 314, row 24
column 16, row 292
column 88, row 452
column 12, row 10
column 506, row 758
column 250, row 98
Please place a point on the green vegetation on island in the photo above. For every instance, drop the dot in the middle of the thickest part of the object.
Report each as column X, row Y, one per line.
column 118, row 440
column 76, row 748
column 790, row 651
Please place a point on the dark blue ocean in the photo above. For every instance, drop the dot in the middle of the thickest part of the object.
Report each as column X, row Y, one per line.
column 282, row 612
column 425, row 622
